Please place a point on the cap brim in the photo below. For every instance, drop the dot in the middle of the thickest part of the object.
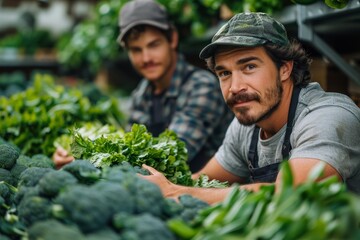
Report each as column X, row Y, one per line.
column 123, row 32
column 236, row 41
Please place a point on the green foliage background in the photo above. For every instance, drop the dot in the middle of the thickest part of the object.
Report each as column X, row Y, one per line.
column 93, row 42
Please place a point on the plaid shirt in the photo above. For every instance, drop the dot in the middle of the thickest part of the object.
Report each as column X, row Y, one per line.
column 200, row 116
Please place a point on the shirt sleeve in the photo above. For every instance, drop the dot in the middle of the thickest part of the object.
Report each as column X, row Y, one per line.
column 330, row 134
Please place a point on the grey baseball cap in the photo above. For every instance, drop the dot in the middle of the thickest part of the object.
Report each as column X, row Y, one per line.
column 247, row 30
column 138, row 12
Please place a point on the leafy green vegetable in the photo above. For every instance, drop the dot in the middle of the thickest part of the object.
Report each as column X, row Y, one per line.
column 165, row 153
column 34, row 118
column 312, row 210
column 203, row 181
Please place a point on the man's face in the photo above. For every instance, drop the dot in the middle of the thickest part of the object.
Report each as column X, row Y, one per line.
column 151, row 54
column 250, row 83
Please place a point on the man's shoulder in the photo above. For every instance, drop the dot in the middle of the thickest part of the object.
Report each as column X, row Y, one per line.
column 326, row 107
column 198, row 76
column 313, row 97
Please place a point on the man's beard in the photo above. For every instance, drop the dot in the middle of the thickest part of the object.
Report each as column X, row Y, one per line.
column 272, row 95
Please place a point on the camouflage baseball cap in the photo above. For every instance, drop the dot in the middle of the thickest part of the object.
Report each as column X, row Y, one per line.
column 247, row 30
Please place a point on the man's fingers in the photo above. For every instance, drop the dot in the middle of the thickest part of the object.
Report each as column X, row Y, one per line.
column 152, row 170
column 62, row 152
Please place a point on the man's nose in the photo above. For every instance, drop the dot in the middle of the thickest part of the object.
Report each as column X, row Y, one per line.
column 146, row 56
column 238, row 83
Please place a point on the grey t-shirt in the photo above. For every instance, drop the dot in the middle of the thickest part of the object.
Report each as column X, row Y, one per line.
column 326, row 127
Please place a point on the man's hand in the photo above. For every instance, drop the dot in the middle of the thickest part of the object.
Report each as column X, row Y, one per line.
column 167, row 188
column 171, row 190
column 61, row 157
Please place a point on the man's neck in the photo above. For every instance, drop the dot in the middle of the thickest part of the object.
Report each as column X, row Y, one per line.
column 273, row 124
column 164, row 82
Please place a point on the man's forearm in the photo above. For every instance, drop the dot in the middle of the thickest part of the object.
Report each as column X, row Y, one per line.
column 209, row 195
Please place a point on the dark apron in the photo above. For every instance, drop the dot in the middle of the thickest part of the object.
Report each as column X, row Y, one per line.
column 158, row 124
column 269, row 173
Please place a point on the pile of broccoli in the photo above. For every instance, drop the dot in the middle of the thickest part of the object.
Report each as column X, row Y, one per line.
column 81, row 201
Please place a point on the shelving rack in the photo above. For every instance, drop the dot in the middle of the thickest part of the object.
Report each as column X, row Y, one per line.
column 319, row 25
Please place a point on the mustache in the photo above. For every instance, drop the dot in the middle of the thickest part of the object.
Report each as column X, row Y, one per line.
column 147, row 64
column 242, row 97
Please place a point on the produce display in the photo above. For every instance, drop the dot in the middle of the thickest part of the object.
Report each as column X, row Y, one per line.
column 101, row 194
column 106, row 145
column 81, row 201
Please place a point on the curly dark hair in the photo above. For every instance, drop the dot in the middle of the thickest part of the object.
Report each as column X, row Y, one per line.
column 136, row 31
column 280, row 54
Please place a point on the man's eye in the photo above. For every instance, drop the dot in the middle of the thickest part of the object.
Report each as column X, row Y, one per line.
column 155, row 44
column 223, row 74
column 250, row 66
column 135, row 50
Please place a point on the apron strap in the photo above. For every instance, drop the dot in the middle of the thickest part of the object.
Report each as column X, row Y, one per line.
column 253, row 158
column 252, row 155
column 286, row 148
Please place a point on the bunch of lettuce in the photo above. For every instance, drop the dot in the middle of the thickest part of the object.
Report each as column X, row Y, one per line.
column 166, row 153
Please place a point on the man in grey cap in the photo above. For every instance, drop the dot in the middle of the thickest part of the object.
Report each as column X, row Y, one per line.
column 173, row 94
column 280, row 114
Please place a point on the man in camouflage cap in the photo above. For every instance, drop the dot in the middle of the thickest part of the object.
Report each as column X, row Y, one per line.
column 280, row 115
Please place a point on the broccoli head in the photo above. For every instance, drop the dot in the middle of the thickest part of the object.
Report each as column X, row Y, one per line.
column 191, row 207
column 25, row 192
column 171, row 208
column 147, row 196
column 33, row 209
column 7, row 192
column 118, row 198
column 32, row 175
column 145, row 227
column 118, row 174
column 42, row 161
column 4, row 190
column 127, row 167
column 5, row 175
column 23, row 160
column 83, row 170
column 84, row 206
column 16, row 171
column 8, row 156
column 104, row 234
column 52, row 229
column 53, row 182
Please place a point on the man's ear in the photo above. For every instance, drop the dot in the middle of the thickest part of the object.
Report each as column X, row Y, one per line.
column 286, row 70
column 174, row 39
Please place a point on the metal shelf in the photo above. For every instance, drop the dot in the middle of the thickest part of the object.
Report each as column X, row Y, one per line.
column 317, row 22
